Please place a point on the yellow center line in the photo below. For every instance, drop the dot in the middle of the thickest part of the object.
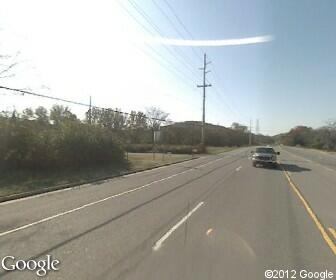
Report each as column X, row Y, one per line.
column 333, row 232
column 311, row 213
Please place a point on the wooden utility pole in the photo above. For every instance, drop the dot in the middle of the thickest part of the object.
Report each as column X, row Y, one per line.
column 250, row 135
column 204, row 85
column 90, row 112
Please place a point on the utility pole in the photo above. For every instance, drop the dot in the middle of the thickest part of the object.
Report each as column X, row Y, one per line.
column 90, row 112
column 257, row 130
column 250, row 135
column 204, row 85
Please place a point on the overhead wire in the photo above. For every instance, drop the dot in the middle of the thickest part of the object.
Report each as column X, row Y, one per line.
column 184, row 28
column 192, row 37
column 149, row 21
column 177, row 72
column 23, row 92
column 171, row 22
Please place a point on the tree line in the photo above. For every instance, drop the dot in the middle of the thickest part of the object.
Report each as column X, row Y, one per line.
column 56, row 138
column 43, row 139
column 319, row 138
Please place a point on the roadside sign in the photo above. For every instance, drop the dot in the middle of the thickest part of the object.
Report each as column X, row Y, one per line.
column 157, row 136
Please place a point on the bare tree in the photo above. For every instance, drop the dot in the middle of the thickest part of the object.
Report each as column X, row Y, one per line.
column 331, row 124
column 155, row 117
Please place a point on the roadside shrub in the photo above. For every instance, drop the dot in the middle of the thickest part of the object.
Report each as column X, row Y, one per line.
column 175, row 149
column 29, row 144
column 139, row 148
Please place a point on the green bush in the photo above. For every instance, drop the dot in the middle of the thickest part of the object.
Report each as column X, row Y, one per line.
column 139, row 148
column 28, row 144
column 175, row 149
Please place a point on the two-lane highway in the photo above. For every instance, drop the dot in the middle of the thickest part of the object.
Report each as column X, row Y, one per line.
column 216, row 217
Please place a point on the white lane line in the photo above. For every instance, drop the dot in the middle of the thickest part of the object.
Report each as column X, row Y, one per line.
column 159, row 243
column 209, row 231
column 210, row 162
column 96, row 202
column 238, row 168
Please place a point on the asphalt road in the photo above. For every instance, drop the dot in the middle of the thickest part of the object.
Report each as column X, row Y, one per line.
column 216, row 217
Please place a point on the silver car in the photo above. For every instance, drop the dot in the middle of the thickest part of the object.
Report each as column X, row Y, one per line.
column 264, row 156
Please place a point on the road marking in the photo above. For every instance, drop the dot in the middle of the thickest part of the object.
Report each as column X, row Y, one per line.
column 209, row 231
column 210, row 162
column 91, row 184
column 99, row 201
column 311, row 213
column 333, row 232
column 159, row 243
column 238, row 168
column 310, row 161
column 89, row 204
column 329, row 169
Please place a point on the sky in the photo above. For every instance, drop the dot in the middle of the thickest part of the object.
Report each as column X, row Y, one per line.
column 110, row 50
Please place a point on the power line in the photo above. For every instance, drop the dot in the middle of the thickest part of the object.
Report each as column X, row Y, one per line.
column 233, row 108
column 88, row 105
column 157, row 29
column 147, row 18
column 176, row 70
column 173, row 24
column 168, row 18
column 184, row 27
column 188, row 64
column 23, row 92
column 169, row 64
column 189, row 33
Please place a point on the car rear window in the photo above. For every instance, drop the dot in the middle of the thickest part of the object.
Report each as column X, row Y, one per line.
column 265, row 150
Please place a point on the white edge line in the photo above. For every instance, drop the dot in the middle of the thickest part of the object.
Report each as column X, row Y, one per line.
column 159, row 243
column 90, row 184
column 97, row 202
column 85, row 185
column 89, row 204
